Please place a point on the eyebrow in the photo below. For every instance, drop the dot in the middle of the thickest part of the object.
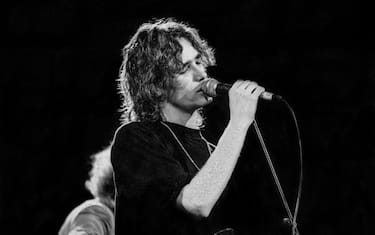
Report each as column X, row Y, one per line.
column 198, row 56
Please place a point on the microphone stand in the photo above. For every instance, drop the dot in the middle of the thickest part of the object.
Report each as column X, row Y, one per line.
column 292, row 219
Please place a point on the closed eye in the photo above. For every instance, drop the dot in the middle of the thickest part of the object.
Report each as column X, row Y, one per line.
column 197, row 61
column 185, row 68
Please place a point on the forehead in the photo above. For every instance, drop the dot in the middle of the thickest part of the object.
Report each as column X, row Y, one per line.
column 188, row 51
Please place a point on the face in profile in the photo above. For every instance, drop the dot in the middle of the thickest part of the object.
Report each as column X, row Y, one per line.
column 188, row 94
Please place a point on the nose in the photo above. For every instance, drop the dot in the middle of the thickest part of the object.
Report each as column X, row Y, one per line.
column 199, row 72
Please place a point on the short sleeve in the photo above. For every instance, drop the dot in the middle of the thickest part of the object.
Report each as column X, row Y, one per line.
column 93, row 220
column 148, row 178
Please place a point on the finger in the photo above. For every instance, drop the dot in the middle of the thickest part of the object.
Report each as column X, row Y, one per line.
column 258, row 90
column 251, row 83
column 250, row 87
column 244, row 85
column 238, row 84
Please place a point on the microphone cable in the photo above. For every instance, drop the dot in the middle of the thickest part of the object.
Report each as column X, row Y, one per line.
column 292, row 218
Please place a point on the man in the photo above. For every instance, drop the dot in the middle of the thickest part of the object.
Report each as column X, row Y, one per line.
column 95, row 216
column 169, row 178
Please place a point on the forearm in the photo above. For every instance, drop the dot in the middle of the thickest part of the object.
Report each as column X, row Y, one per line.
column 201, row 194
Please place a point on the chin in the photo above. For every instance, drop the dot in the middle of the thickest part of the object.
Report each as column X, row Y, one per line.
column 205, row 101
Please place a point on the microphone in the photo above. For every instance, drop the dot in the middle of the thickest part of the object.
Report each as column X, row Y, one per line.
column 213, row 88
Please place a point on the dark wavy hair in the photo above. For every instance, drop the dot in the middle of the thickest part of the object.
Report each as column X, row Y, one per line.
column 151, row 61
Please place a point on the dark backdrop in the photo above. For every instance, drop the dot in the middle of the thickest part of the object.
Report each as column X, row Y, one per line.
column 59, row 100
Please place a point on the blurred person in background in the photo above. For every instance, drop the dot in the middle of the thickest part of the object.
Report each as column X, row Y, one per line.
column 95, row 216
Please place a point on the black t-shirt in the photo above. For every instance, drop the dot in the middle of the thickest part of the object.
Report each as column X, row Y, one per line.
column 150, row 170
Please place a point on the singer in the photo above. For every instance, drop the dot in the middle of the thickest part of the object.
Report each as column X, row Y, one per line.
column 169, row 179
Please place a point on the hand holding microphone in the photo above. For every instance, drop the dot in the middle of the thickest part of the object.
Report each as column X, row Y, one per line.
column 213, row 88
column 243, row 100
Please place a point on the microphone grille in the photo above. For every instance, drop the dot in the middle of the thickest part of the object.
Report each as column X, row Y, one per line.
column 209, row 87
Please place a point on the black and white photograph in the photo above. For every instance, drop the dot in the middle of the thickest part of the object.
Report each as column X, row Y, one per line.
column 148, row 117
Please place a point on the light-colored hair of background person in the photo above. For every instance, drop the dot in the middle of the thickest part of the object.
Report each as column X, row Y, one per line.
column 100, row 184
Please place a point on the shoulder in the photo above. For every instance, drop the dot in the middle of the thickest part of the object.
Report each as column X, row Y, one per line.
column 134, row 128
column 86, row 213
column 96, row 208
column 140, row 135
column 90, row 207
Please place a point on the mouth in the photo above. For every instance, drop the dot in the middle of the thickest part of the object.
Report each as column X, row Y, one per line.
column 203, row 94
column 200, row 87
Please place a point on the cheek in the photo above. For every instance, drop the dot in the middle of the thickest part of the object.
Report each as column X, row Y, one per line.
column 178, row 93
column 181, row 81
column 181, row 95
column 183, row 85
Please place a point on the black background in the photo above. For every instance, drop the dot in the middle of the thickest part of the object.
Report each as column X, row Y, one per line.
column 59, row 100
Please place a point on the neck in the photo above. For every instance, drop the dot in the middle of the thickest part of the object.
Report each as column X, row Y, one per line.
column 175, row 115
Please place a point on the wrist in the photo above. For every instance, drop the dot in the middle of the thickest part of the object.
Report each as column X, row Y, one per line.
column 240, row 126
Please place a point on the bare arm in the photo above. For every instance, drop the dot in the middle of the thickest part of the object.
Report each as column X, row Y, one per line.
column 202, row 193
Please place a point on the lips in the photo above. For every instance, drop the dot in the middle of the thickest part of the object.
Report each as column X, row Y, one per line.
column 200, row 87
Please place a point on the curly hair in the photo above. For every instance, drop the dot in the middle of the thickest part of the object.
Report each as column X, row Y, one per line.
column 100, row 184
column 151, row 61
